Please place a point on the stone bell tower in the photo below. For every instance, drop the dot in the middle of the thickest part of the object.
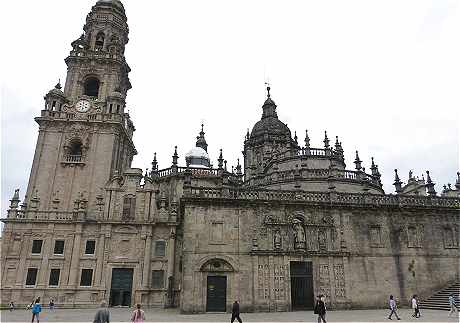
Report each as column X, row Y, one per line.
column 85, row 134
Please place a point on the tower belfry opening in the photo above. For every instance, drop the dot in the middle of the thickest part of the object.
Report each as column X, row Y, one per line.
column 92, row 87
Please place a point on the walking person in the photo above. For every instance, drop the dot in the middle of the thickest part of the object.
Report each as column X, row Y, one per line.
column 102, row 314
column 36, row 309
column 236, row 312
column 320, row 308
column 138, row 315
column 453, row 306
column 414, row 305
column 51, row 304
column 393, row 308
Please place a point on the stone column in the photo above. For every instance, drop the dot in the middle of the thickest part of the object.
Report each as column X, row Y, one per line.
column 147, row 256
column 75, row 261
column 171, row 262
column 100, row 259
column 46, row 249
column 22, row 270
column 171, row 252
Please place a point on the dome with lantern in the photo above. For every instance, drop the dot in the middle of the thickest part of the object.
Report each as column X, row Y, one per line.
column 198, row 155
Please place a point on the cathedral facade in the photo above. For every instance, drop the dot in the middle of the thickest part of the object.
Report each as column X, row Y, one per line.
column 288, row 223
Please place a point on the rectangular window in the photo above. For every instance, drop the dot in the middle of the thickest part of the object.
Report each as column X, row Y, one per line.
column 31, row 278
column 129, row 207
column 160, row 247
column 90, row 247
column 37, row 246
column 59, row 247
column 54, row 277
column 158, row 279
column 86, row 277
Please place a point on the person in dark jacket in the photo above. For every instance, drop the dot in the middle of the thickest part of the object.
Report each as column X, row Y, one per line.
column 236, row 312
column 320, row 308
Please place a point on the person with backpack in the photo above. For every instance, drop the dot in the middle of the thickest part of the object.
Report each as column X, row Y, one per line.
column 392, row 304
column 138, row 315
column 320, row 308
column 36, row 309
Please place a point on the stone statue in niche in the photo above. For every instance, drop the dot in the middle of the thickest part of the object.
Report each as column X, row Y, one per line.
column 277, row 239
column 299, row 235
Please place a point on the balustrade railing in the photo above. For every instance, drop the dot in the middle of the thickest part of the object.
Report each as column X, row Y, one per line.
column 327, row 197
column 73, row 158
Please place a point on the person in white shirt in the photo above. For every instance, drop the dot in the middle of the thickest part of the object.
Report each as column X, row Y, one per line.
column 453, row 306
column 393, row 308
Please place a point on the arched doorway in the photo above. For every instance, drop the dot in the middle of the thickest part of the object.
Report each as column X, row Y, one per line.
column 216, row 284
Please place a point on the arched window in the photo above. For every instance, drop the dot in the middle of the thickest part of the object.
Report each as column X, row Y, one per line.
column 99, row 41
column 75, row 148
column 92, row 87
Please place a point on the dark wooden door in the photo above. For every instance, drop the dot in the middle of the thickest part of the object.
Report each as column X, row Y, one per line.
column 122, row 285
column 301, row 285
column 216, row 296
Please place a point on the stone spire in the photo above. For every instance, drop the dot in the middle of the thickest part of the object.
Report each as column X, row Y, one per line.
column 15, row 200
column 397, row 183
column 357, row 162
column 307, row 139
column 220, row 160
column 154, row 163
column 429, row 185
column 375, row 169
column 201, row 141
column 295, row 138
column 457, row 183
column 326, row 140
column 238, row 168
column 338, row 146
column 175, row 157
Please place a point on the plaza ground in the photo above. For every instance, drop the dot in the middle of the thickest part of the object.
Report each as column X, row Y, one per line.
column 173, row 315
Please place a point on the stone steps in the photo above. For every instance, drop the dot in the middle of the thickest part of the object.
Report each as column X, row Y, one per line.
column 440, row 300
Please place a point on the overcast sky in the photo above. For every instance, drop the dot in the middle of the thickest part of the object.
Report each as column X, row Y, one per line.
column 382, row 75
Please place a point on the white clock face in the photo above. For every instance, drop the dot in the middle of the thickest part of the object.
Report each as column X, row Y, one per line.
column 82, row 106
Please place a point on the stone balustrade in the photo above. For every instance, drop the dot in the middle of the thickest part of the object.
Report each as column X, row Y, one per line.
column 43, row 215
column 325, row 197
column 313, row 174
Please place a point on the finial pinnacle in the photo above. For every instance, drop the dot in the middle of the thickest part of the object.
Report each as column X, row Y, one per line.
column 268, row 89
